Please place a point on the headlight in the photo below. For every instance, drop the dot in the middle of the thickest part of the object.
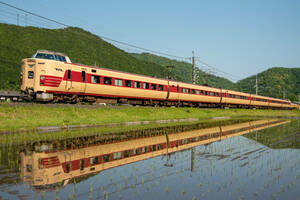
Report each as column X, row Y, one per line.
column 42, row 78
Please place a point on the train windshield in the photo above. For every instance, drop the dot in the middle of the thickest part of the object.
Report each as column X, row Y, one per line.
column 49, row 57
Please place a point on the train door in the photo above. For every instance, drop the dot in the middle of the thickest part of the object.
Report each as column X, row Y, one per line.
column 83, row 80
column 69, row 80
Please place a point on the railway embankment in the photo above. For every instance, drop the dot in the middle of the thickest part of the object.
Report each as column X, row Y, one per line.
column 22, row 117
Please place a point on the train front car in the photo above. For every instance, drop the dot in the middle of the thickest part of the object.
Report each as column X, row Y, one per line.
column 43, row 71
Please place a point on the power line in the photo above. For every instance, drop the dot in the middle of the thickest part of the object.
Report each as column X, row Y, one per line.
column 34, row 14
column 208, row 65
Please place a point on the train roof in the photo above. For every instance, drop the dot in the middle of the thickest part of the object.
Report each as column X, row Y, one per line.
column 50, row 52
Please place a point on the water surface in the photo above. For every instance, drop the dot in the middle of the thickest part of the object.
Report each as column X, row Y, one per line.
column 251, row 160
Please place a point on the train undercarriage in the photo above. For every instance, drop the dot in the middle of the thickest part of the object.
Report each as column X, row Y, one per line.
column 74, row 99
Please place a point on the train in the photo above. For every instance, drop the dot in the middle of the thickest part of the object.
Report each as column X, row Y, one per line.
column 46, row 167
column 52, row 77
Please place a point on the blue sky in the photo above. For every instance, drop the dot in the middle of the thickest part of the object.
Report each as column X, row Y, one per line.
column 237, row 36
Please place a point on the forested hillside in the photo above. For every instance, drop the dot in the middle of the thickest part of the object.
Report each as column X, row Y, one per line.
column 182, row 71
column 277, row 82
column 18, row 42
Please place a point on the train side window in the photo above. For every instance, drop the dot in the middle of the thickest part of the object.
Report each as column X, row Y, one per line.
column 153, row 148
column 107, row 80
column 128, row 83
column 117, row 155
column 230, row 95
column 118, row 82
column 153, row 87
column 95, row 79
column 94, row 160
column 136, row 151
column 210, row 94
column 217, row 94
column 197, row 92
column 83, row 76
column 183, row 90
column 193, row 91
column 126, row 153
column 137, row 84
column 106, row 158
column 144, row 150
column 69, row 74
column 160, row 146
column 30, row 74
column 206, row 93
column 188, row 90
column 161, row 87
column 146, row 85
column 202, row 92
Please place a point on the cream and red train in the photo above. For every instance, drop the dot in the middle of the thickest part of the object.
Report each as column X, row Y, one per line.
column 51, row 76
column 50, row 167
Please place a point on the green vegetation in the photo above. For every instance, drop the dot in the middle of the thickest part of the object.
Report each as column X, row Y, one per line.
column 28, row 116
column 277, row 82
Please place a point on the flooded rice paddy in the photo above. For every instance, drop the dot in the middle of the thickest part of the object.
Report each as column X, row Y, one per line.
column 257, row 159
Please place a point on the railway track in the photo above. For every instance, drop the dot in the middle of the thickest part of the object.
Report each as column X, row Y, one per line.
column 10, row 96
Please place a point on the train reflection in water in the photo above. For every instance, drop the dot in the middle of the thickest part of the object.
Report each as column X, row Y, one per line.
column 51, row 168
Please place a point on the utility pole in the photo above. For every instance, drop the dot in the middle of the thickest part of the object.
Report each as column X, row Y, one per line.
column 256, row 86
column 192, row 159
column 194, row 70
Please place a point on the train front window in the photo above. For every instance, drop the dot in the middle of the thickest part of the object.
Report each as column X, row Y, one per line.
column 45, row 56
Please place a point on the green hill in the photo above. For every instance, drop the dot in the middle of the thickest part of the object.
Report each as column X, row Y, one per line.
column 182, row 71
column 277, row 82
column 18, row 42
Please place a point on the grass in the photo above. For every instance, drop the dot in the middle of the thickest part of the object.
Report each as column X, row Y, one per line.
column 29, row 116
